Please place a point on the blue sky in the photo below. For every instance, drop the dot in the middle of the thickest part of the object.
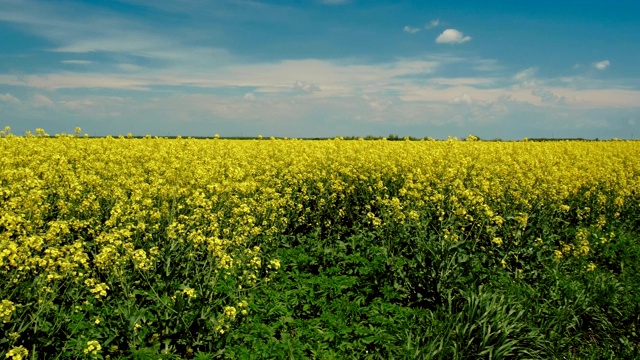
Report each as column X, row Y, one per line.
column 317, row 68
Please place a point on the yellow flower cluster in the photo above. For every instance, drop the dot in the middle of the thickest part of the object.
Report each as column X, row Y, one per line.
column 98, row 289
column 6, row 309
column 229, row 314
column 92, row 347
column 17, row 353
column 190, row 293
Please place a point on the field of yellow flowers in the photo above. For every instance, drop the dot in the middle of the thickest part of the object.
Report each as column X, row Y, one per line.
column 124, row 247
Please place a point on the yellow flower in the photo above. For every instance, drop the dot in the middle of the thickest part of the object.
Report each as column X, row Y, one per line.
column 275, row 263
column 558, row 255
column 17, row 353
column 590, row 267
column 100, row 290
column 230, row 312
column 92, row 347
column 189, row 292
column 497, row 241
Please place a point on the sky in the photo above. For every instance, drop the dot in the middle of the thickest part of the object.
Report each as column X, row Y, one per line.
column 322, row 68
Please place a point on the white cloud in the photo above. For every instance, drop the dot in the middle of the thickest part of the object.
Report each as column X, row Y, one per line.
column 250, row 96
column 539, row 89
column 452, row 36
column 492, row 113
column 303, row 87
column 594, row 98
column 77, row 104
column 95, row 105
column 463, row 99
column 547, row 96
column 601, row 65
column 77, row 62
column 9, row 98
column 377, row 104
column 42, row 101
column 118, row 35
column 526, row 77
column 410, row 30
column 433, row 23
column 129, row 67
column 461, row 81
column 77, row 81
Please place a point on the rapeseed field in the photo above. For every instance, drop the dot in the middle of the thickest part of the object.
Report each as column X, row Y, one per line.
column 123, row 247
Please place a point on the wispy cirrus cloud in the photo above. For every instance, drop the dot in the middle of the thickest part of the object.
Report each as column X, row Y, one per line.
column 103, row 31
column 409, row 79
column 76, row 62
column 8, row 98
column 40, row 101
column 55, row 81
column 526, row 76
column 433, row 23
column 410, row 30
column 336, row 78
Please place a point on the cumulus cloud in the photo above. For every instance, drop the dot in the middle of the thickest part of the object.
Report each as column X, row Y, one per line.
column 433, row 23
column 601, row 65
column 410, row 30
column 303, row 87
column 452, row 36
column 42, row 101
column 9, row 98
